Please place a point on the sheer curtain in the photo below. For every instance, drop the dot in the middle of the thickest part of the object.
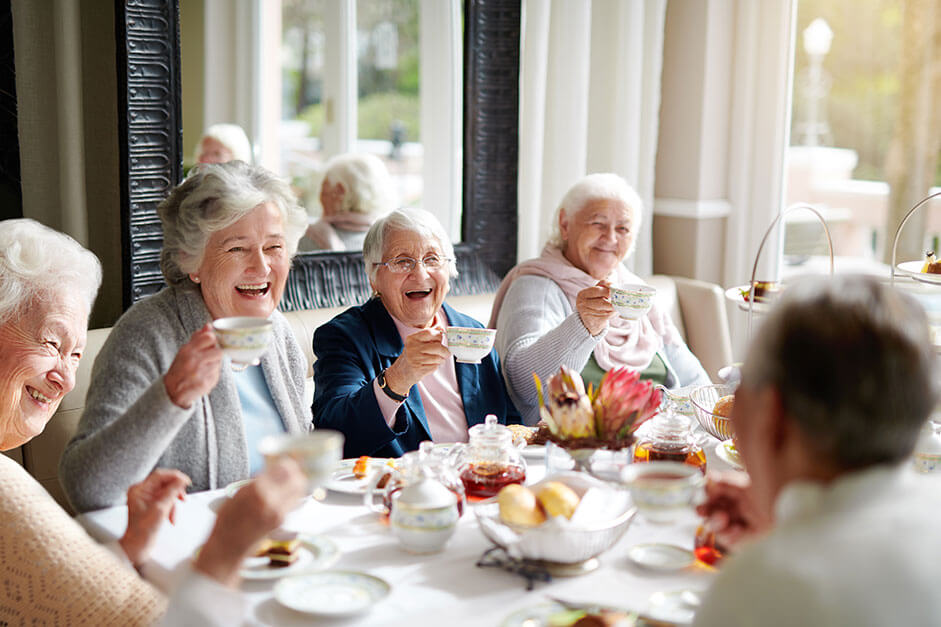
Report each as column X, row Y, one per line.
column 589, row 102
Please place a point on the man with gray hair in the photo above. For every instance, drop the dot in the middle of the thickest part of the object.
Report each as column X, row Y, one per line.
column 835, row 389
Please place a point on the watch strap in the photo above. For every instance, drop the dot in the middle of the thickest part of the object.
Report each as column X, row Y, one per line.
column 395, row 396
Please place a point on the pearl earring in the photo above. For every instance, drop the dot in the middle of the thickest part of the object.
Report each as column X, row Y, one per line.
column 195, row 279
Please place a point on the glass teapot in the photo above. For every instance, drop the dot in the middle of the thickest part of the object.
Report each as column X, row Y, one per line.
column 489, row 460
column 411, row 468
column 669, row 437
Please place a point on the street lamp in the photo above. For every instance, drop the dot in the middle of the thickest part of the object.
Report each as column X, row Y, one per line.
column 817, row 39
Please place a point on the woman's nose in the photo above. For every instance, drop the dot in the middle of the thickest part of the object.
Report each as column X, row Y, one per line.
column 63, row 375
column 259, row 260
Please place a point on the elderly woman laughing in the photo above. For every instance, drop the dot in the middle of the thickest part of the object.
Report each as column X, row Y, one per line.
column 556, row 309
column 383, row 374
column 161, row 393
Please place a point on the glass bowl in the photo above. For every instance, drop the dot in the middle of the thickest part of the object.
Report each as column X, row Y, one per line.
column 561, row 542
column 704, row 399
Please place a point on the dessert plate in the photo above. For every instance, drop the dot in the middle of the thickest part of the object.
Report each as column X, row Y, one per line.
column 729, row 455
column 343, row 479
column 734, row 294
column 331, row 593
column 314, row 553
column 913, row 269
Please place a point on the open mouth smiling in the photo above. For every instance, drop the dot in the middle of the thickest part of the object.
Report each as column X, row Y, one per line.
column 38, row 396
column 417, row 294
column 253, row 289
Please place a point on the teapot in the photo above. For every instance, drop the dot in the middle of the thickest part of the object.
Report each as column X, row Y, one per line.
column 411, row 468
column 424, row 515
column 490, row 460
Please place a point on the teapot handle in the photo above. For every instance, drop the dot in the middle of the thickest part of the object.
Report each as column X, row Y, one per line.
column 372, row 490
column 456, row 453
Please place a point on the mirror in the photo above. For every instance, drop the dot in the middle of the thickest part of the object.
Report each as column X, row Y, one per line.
column 151, row 155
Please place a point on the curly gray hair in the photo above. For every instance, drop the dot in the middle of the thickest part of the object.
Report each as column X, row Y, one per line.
column 213, row 197
column 415, row 220
column 853, row 362
column 37, row 262
column 594, row 187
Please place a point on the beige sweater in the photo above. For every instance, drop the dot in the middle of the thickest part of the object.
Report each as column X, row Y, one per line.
column 53, row 573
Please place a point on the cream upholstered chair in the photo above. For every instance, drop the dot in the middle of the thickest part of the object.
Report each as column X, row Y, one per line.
column 698, row 309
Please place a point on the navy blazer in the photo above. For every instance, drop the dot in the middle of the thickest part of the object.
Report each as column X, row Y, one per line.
column 354, row 347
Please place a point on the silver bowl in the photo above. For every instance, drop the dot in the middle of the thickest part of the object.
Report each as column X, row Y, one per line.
column 563, row 549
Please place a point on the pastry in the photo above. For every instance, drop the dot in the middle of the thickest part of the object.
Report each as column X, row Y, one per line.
column 931, row 265
column 361, row 467
column 522, row 434
column 557, row 499
column 518, row 506
column 723, row 406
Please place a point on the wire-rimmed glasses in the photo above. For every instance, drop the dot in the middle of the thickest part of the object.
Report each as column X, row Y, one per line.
column 404, row 265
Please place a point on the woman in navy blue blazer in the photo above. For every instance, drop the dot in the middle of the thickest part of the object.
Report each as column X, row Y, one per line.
column 383, row 374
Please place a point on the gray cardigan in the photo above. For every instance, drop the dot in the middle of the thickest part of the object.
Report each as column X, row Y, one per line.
column 538, row 331
column 130, row 426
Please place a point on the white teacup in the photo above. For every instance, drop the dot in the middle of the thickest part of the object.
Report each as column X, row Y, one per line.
column 244, row 339
column 317, row 452
column 469, row 344
column 662, row 491
column 633, row 301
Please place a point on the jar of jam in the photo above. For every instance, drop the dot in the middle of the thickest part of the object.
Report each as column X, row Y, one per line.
column 670, row 437
column 489, row 460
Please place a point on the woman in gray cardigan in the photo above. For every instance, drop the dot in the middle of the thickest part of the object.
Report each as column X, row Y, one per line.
column 161, row 392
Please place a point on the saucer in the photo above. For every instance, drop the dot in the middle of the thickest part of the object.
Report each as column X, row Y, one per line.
column 730, row 456
column 343, row 479
column 661, row 557
column 913, row 269
column 331, row 593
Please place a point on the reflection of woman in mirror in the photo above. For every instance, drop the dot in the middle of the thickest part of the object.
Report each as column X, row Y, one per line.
column 356, row 190
column 222, row 143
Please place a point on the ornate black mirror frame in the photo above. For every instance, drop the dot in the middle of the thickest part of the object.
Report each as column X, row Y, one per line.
column 150, row 138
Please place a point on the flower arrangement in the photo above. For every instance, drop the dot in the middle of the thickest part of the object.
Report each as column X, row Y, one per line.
column 604, row 418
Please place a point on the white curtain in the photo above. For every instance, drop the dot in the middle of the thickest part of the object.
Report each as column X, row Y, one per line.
column 589, row 102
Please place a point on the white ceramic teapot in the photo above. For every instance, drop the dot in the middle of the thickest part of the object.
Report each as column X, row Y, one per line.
column 424, row 515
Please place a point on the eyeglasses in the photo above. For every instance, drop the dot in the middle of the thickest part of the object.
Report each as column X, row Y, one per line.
column 403, row 265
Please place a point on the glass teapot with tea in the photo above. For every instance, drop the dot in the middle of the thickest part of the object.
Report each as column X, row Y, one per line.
column 669, row 437
column 490, row 460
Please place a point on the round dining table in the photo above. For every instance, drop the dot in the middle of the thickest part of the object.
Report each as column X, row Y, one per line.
column 445, row 588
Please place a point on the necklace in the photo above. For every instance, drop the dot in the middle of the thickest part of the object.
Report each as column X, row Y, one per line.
column 238, row 367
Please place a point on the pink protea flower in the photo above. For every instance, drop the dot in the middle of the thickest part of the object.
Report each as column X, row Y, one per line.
column 623, row 402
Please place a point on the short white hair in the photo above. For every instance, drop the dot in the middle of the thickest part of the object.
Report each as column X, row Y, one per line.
column 232, row 137
column 599, row 186
column 37, row 262
column 415, row 220
column 213, row 197
column 366, row 182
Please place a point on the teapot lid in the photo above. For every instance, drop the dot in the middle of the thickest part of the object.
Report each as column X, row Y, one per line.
column 427, row 493
column 490, row 431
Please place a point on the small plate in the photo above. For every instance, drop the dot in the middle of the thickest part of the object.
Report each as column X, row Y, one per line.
column 343, row 479
column 315, row 553
column 913, row 269
column 551, row 613
column 734, row 294
column 661, row 557
column 331, row 593
column 534, row 451
column 729, row 455
column 675, row 606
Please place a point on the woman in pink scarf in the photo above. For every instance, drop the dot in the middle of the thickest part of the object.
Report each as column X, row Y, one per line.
column 355, row 192
column 556, row 309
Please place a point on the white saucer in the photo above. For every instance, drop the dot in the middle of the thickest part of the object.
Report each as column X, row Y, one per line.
column 661, row 557
column 734, row 294
column 913, row 269
column 331, row 593
column 675, row 606
column 343, row 479
column 729, row 456
column 314, row 553
column 534, row 451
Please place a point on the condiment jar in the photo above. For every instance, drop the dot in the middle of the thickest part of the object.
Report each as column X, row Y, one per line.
column 490, row 460
column 669, row 437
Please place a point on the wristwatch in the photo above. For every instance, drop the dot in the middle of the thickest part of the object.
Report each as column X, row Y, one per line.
column 381, row 380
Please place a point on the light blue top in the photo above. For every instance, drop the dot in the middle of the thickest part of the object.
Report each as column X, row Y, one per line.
column 259, row 413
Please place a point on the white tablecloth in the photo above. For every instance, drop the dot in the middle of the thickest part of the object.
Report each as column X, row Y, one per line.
column 440, row 589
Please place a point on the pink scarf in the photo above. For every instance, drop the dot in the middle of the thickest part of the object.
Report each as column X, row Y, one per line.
column 323, row 232
column 630, row 343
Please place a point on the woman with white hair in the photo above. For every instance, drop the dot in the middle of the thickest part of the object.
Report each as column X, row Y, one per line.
column 356, row 190
column 53, row 572
column 556, row 309
column 161, row 393
column 383, row 374
column 222, row 143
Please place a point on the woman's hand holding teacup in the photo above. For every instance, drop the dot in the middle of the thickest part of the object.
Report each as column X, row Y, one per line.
column 195, row 369
column 424, row 352
column 594, row 307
